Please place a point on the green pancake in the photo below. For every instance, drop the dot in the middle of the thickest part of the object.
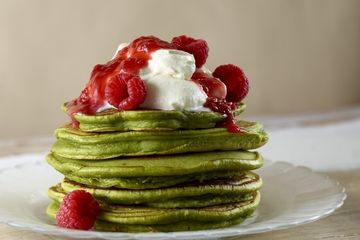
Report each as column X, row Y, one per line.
column 156, row 171
column 75, row 144
column 145, row 219
column 146, row 215
column 201, row 201
column 139, row 120
column 56, row 193
column 238, row 185
column 167, row 165
column 149, row 182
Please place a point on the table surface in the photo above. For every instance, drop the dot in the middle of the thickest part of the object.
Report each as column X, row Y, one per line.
column 342, row 224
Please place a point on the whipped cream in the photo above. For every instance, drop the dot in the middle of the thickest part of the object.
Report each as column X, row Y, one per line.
column 168, row 80
column 169, row 85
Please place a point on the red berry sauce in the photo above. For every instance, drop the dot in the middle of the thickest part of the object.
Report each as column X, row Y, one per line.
column 128, row 60
column 127, row 64
column 216, row 101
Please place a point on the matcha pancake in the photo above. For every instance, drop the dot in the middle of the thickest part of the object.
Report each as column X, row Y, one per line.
column 140, row 219
column 156, row 171
column 101, row 225
column 150, row 182
column 156, row 165
column 238, row 185
column 75, row 144
column 140, row 120
column 56, row 193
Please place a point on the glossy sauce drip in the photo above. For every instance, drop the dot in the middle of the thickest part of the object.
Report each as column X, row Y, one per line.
column 215, row 101
column 128, row 60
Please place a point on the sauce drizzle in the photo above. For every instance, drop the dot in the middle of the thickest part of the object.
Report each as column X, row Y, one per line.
column 130, row 60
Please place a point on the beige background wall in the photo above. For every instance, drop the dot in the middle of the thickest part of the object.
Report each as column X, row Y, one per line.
column 299, row 55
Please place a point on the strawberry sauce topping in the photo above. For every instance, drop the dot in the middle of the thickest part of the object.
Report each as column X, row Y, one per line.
column 125, row 66
column 216, row 92
column 117, row 82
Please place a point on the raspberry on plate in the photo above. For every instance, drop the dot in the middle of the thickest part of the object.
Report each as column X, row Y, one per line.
column 78, row 210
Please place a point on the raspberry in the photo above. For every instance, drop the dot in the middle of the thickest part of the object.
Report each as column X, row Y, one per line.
column 78, row 210
column 197, row 47
column 116, row 90
column 125, row 91
column 182, row 40
column 235, row 80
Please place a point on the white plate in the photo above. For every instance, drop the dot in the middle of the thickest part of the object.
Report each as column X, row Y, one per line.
column 290, row 196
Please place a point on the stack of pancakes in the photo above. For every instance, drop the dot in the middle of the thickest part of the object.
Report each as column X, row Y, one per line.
column 160, row 170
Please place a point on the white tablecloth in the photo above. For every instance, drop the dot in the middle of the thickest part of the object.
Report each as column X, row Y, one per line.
column 324, row 148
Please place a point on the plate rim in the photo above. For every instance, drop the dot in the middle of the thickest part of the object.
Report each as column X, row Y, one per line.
column 213, row 233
